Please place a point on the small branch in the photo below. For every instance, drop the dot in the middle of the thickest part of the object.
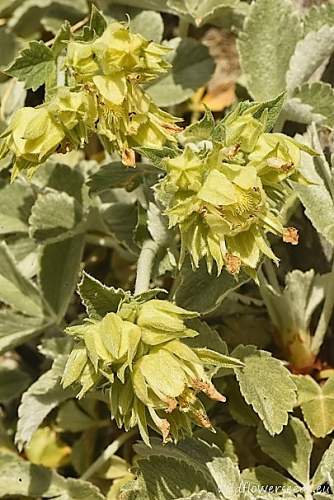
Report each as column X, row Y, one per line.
column 73, row 28
column 144, row 265
column 107, row 454
column 325, row 316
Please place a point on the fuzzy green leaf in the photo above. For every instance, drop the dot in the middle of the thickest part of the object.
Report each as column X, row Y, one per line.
column 15, row 289
column 114, row 175
column 15, row 329
column 317, row 404
column 149, row 24
column 317, row 16
column 227, row 476
column 273, row 396
column 97, row 22
column 310, row 53
column 20, row 478
column 312, row 102
column 34, row 65
column 201, row 11
column 291, row 449
column 266, row 44
column 316, row 197
column 192, row 68
column 10, row 45
column 325, row 467
column 16, row 200
column 55, row 216
column 203, row 292
column 37, row 402
column 167, row 478
column 72, row 418
column 263, row 478
column 98, row 298
column 59, row 271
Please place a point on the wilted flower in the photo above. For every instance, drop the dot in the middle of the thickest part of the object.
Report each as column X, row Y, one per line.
column 139, row 357
column 221, row 197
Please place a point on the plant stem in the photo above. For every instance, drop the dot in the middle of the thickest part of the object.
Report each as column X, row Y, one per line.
column 144, row 265
column 107, row 453
column 325, row 316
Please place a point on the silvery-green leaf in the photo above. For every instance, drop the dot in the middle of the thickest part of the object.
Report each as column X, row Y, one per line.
column 59, row 271
column 324, row 471
column 15, row 289
column 293, row 307
column 26, row 18
column 39, row 400
column 317, row 404
column 167, row 478
column 266, row 44
column 16, row 329
column 72, row 418
column 34, row 65
column 16, row 200
column 312, row 102
column 192, row 67
column 114, row 175
column 227, row 476
column 310, row 53
column 54, row 217
column 317, row 16
column 203, row 292
column 269, row 481
column 121, row 221
column 317, row 197
column 10, row 45
column 25, row 252
column 291, row 449
column 272, row 396
column 20, row 478
column 201, row 11
column 98, row 298
column 240, row 411
column 149, row 24
column 13, row 95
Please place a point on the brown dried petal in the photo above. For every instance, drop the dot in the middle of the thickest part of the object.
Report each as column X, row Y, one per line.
column 290, row 235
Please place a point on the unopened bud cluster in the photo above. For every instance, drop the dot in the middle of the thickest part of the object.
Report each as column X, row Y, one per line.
column 222, row 194
column 103, row 96
column 138, row 357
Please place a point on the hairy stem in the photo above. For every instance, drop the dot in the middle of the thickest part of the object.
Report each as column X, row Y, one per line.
column 325, row 316
column 144, row 265
column 107, row 453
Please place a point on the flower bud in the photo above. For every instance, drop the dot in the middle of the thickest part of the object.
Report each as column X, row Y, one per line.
column 33, row 135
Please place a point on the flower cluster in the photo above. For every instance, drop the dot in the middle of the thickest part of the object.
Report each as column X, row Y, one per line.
column 104, row 96
column 138, row 357
column 223, row 195
column 112, row 68
column 56, row 126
